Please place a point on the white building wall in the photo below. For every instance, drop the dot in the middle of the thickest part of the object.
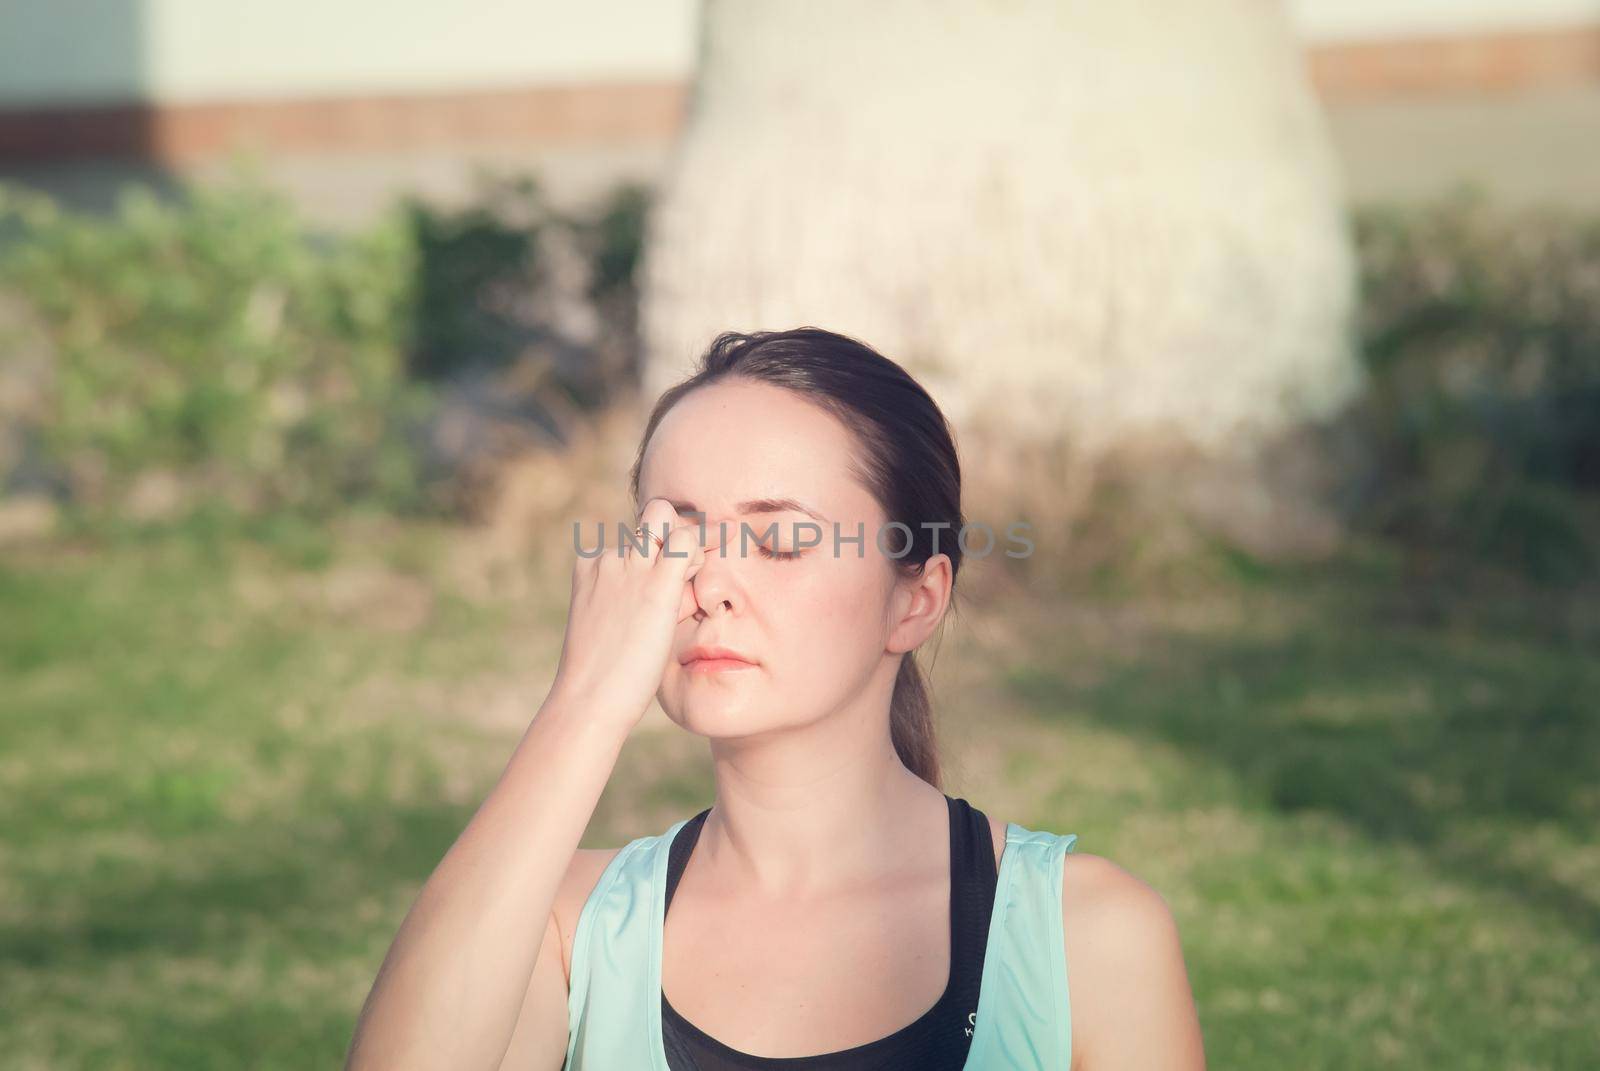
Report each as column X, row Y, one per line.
column 1329, row 21
column 84, row 51
column 175, row 51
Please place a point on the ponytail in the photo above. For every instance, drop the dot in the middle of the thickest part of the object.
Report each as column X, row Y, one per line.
column 911, row 723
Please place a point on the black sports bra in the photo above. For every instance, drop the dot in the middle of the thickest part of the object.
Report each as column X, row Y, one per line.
column 939, row 1039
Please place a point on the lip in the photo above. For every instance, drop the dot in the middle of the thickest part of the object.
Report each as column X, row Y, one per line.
column 712, row 659
column 716, row 665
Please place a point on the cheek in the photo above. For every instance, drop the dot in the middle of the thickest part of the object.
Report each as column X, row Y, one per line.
column 835, row 609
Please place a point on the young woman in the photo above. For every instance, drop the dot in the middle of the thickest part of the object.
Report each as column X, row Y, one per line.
column 833, row 908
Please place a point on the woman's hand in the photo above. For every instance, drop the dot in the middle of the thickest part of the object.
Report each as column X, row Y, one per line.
column 625, row 610
column 492, row 900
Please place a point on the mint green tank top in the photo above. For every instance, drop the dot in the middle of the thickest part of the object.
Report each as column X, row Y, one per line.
column 1023, row 1021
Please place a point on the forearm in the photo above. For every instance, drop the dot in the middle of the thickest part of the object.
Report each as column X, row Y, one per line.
column 450, row 988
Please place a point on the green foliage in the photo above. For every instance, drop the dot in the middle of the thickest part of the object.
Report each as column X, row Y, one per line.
column 487, row 287
column 1481, row 328
column 477, row 268
column 615, row 239
column 216, row 341
column 216, row 346
column 215, row 351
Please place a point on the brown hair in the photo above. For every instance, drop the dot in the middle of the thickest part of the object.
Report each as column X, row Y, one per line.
column 907, row 461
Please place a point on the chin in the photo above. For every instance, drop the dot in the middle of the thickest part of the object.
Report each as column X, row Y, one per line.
column 716, row 726
column 718, row 717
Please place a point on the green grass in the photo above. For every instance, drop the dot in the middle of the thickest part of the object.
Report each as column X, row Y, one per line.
column 1380, row 834
column 211, row 826
column 228, row 760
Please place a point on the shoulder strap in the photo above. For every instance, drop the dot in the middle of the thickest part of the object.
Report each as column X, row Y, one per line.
column 609, row 1000
column 1024, row 1019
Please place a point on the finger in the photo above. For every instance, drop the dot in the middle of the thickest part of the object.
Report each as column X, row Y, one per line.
column 688, row 603
column 682, row 543
column 679, row 567
column 657, row 518
column 637, row 545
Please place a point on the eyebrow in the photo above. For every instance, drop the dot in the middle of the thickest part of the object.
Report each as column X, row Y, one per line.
column 758, row 505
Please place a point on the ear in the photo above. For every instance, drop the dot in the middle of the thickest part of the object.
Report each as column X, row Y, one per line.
column 919, row 603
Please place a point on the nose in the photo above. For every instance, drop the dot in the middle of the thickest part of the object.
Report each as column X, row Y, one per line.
column 715, row 583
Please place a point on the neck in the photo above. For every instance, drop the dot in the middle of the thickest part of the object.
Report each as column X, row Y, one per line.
column 805, row 811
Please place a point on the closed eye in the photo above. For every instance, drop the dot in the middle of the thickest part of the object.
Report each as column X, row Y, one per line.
column 777, row 555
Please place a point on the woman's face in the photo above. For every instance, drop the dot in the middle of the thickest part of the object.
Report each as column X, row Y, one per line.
column 817, row 625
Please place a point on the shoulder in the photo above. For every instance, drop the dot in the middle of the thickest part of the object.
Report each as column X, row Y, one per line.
column 581, row 876
column 577, row 883
column 1100, row 894
column 1096, row 890
column 1126, row 977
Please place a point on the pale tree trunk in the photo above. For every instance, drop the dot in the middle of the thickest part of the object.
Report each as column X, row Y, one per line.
column 1094, row 222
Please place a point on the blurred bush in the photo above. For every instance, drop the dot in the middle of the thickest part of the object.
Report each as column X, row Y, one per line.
column 525, row 320
column 1481, row 331
column 214, row 349
column 211, row 350
column 507, row 275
